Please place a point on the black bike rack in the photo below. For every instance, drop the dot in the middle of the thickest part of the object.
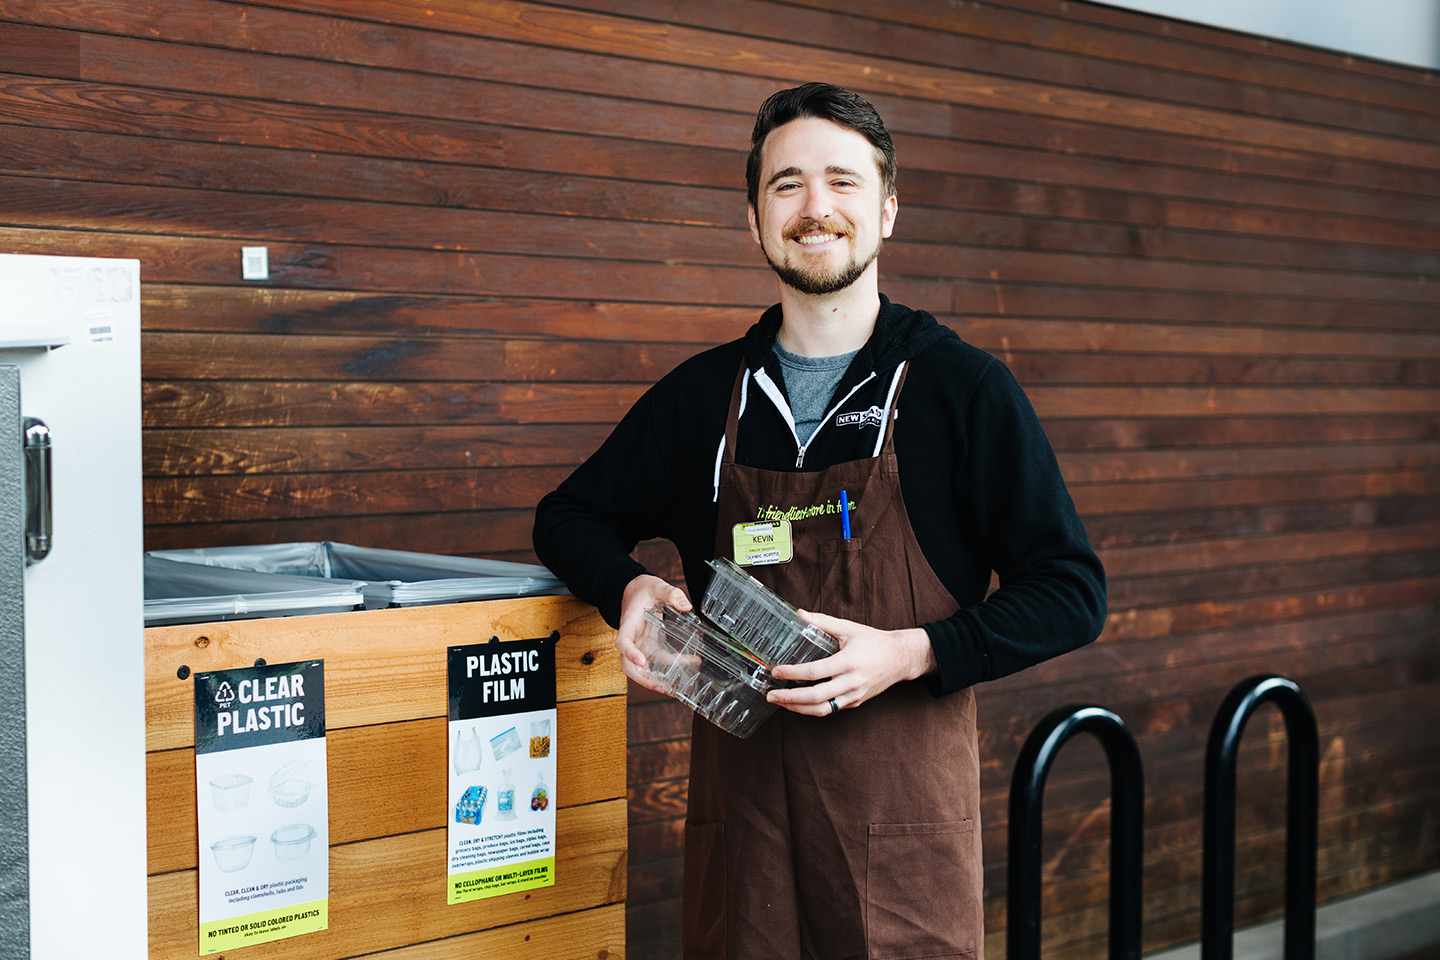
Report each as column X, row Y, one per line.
column 1302, row 817
column 1127, row 822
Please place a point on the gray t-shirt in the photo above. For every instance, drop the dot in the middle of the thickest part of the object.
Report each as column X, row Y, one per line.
column 810, row 382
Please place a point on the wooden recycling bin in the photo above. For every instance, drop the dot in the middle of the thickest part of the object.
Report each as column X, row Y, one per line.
column 387, row 749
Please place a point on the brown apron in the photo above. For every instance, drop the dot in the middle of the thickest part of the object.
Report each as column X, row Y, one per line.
column 855, row 835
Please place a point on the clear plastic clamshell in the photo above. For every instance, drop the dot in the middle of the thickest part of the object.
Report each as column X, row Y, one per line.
column 759, row 620
column 706, row 670
column 720, row 663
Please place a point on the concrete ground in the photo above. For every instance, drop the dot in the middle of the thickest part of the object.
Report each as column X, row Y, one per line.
column 1400, row 921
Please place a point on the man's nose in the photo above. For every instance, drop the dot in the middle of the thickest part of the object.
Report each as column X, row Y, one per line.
column 818, row 204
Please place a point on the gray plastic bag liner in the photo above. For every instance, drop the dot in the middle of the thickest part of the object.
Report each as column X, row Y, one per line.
column 392, row 578
column 177, row 592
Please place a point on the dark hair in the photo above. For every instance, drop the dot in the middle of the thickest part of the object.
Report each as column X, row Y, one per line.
column 823, row 101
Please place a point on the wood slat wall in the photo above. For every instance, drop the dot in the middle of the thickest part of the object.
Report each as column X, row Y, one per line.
column 1211, row 259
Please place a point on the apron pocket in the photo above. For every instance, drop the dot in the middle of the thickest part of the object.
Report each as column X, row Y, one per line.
column 840, row 589
column 704, row 905
column 923, row 887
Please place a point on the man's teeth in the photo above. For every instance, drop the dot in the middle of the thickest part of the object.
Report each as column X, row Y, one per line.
column 816, row 238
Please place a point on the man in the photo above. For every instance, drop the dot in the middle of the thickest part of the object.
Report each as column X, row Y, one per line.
column 847, row 826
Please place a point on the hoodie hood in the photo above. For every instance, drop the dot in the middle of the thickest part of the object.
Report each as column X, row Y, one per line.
column 900, row 334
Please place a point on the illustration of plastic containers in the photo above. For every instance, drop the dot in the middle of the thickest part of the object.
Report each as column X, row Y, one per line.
column 287, row 789
column 230, row 792
column 233, row 853
column 293, row 841
column 760, row 621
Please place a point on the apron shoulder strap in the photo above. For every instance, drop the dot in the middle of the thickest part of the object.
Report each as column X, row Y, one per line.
column 738, row 396
column 726, row 453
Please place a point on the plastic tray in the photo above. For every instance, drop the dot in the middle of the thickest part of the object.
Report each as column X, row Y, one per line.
column 390, row 578
column 706, row 670
column 759, row 620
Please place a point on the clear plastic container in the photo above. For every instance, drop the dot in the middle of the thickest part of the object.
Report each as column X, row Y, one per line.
column 230, row 792
column 233, row 853
column 292, row 842
column 760, row 621
column 706, row 670
column 286, row 787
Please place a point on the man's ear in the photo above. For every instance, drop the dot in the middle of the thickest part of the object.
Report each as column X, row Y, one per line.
column 887, row 216
column 754, row 223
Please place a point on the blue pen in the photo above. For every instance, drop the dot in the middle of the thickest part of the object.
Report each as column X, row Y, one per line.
column 844, row 515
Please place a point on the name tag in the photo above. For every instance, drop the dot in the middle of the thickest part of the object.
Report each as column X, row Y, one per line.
column 761, row 543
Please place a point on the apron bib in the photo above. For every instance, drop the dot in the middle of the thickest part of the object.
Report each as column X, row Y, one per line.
column 855, row 835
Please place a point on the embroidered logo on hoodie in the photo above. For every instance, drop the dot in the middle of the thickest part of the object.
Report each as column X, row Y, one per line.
column 868, row 418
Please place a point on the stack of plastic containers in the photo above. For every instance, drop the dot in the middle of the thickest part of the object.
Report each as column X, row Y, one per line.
column 719, row 663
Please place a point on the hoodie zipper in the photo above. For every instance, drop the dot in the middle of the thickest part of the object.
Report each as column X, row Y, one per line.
column 802, row 447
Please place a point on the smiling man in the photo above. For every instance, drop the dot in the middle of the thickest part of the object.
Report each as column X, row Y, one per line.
column 848, row 824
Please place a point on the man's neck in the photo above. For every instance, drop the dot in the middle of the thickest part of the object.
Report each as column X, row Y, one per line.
column 829, row 325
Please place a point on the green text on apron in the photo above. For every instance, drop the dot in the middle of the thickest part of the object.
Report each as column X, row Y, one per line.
column 855, row 835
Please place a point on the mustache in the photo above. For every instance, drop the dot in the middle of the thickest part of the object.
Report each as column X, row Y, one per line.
column 810, row 226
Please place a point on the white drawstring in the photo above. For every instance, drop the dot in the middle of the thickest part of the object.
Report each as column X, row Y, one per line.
column 885, row 418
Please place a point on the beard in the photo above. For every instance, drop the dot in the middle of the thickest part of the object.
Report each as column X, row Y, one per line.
column 818, row 281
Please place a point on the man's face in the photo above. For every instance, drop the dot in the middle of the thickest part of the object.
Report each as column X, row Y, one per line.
column 819, row 216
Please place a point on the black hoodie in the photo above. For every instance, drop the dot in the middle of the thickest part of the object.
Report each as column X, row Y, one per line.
column 980, row 482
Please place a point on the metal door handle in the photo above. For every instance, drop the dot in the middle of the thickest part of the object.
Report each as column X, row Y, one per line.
column 39, row 518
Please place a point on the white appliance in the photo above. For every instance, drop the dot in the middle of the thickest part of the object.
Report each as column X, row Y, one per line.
column 72, row 691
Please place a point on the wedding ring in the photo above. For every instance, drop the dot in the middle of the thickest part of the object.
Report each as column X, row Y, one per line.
column 834, row 707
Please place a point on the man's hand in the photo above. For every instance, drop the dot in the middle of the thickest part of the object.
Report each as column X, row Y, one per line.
column 868, row 663
column 640, row 595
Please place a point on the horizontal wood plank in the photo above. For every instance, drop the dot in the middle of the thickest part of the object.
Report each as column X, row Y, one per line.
column 591, row 934
column 390, row 892
column 249, row 403
column 228, row 309
column 383, row 666
column 582, row 935
column 480, row 533
column 288, row 496
column 314, row 449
